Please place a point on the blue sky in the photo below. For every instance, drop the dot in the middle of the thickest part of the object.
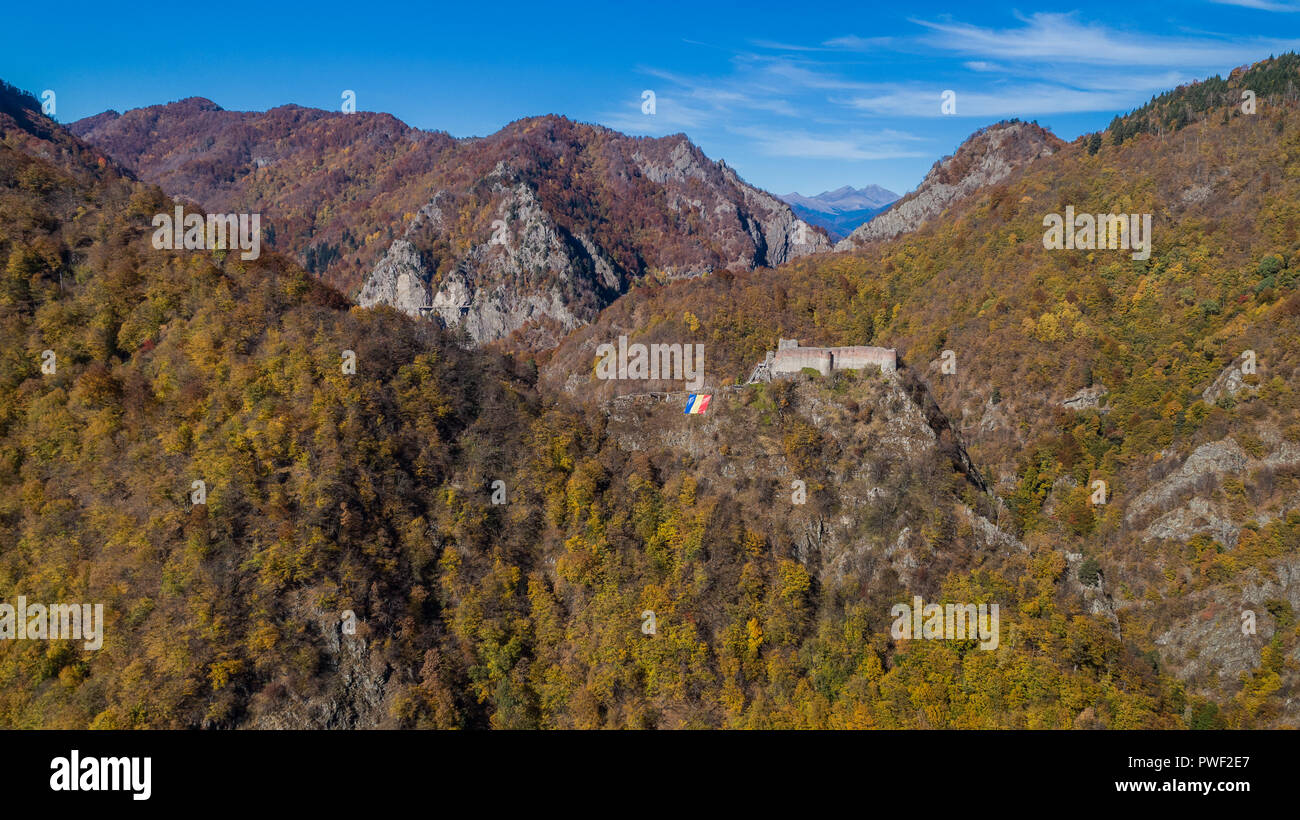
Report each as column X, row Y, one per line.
column 795, row 97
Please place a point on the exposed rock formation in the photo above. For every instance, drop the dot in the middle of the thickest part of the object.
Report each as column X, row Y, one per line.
column 1228, row 383
column 1207, row 461
column 1085, row 399
column 864, row 530
column 356, row 685
column 986, row 158
column 1213, row 643
column 1199, row 516
column 1208, row 464
column 527, row 271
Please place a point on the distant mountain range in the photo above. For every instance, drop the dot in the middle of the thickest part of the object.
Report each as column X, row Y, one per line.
column 842, row 210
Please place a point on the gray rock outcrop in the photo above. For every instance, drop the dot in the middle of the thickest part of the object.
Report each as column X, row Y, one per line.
column 1086, row 399
column 1214, row 459
column 524, row 270
column 1228, row 383
column 986, row 158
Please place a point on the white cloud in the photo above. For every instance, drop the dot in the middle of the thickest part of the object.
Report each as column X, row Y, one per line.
column 1061, row 38
column 773, row 45
column 672, row 114
column 802, row 144
column 827, row 101
column 1023, row 101
column 1262, row 5
column 852, row 42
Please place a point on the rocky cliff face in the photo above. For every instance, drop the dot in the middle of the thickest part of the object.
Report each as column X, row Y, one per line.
column 988, row 157
column 354, row 689
column 1189, row 502
column 529, row 272
column 1208, row 637
column 862, row 521
column 522, row 272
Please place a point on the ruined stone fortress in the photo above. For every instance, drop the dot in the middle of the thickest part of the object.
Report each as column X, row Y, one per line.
column 790, row 358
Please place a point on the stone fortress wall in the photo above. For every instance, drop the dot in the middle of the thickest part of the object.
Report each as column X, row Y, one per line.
column 791, row 358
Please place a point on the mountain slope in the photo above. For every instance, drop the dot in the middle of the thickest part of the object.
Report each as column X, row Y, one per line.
column 986, row 158
column 172, row 370
column 1073, row 367
column 530, row 230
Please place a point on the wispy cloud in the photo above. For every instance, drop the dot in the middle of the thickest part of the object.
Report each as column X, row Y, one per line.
column 685, row 103
column 854, row 146
column 1063, row 38
column 672, row 115
column 1014, row 101
column 854, row 98
column 1045, row 63
column 772, row 45
column 856, row 43
column 1017, row 94
column 1262, row 5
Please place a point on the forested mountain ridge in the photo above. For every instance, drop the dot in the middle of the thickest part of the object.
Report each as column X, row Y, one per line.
column 1171, row 379
column 172, row 368
column 528, row 231
column 372, row 492
column 1273, row 79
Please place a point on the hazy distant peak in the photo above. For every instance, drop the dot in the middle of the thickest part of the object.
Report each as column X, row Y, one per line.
column 843, row 199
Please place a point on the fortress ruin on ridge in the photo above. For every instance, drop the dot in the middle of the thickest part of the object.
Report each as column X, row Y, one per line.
column 789, row 358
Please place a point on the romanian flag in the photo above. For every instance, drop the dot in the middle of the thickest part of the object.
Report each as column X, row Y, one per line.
column 697, row 403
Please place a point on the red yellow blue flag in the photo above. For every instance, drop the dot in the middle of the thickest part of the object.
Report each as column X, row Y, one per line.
column 697, row 403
